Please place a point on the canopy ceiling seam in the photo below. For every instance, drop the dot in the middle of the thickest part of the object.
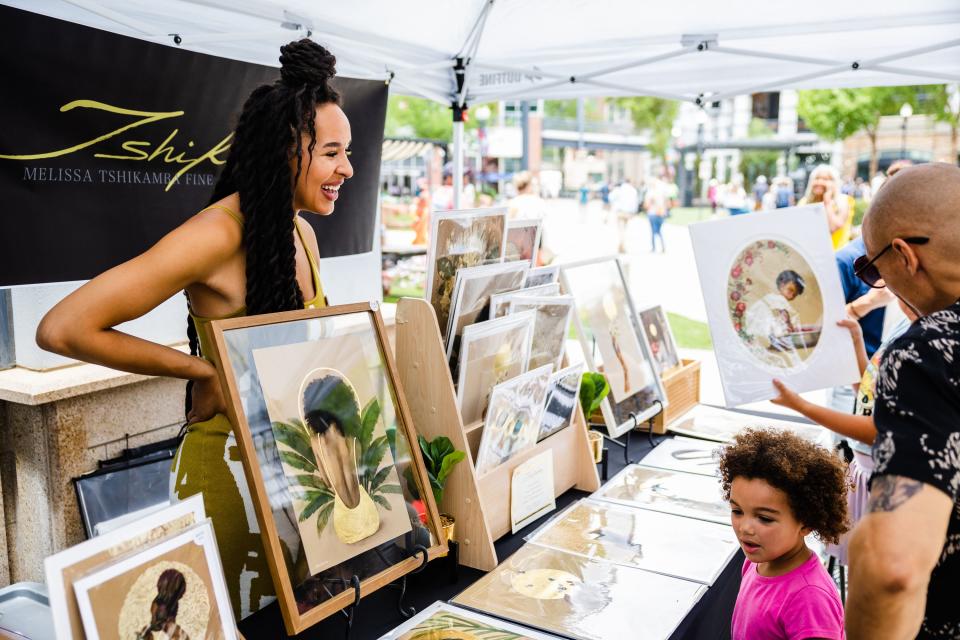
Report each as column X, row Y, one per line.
column 98, row 9
column 912, row 72
column 471, row 50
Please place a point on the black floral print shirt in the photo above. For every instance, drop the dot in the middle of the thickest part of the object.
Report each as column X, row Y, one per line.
column 917, row 415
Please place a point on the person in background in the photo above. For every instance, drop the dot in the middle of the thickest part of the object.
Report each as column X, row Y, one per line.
column 781, row 488
column 655, row 204
column 527, row 203
column 784, row 188
column 736, row 198
column 760, row 189
column 713, row 195
column 905, row 552
column 823, row 186
column 769, row 200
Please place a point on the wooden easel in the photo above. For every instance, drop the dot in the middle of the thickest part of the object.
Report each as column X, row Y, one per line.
column 480, row 504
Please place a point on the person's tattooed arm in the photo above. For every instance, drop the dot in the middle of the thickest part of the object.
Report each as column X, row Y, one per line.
column 887, row 493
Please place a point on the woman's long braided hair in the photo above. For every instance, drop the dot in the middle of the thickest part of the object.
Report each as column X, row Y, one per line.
column 269, row 133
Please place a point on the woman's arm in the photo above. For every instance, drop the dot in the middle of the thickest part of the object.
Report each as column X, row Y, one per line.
column 837, row 210
column 81, row 325
column 860, row 428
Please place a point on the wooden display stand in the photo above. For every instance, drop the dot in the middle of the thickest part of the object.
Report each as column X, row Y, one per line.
column 480, row 504
column 683, row 393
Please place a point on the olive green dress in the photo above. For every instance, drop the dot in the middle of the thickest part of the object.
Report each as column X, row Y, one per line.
column 208, row 462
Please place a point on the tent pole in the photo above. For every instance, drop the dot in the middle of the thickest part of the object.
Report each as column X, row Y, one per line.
column 459, row 107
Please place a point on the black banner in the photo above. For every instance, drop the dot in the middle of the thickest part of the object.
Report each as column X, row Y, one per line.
column 108, row 142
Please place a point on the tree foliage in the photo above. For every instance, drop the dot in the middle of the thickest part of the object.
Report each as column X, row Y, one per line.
column 411, row 117
column 654, row 114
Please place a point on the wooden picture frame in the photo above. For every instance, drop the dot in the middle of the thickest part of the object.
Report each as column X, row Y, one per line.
column 299, row 615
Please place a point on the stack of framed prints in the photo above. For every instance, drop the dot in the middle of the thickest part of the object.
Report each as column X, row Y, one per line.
column 676, row 492
column 325, row 438
column 720, row 425
column 103, row 588
column 773, row 297
column 612, row 342
column 580, row 597
column 663, row 543
column 440, row 621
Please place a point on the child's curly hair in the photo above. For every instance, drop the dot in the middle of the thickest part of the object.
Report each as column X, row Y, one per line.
column 812, row 477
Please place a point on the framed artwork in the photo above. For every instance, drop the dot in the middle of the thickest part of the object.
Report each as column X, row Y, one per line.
column 682, row 494
column 324, row 434
column 550, row 328
column 720, row 425
column 657, row 332
column 512, row 423
column 441, row 620
column 491, row 352
column 542, row 275
column 173, row 589
column 689, row 455
column 562, row 397
column 500, row 302
column 773, row 297
column 63, row 569
column 611, row 342
column 460, row 239
column 471, row 301
column 582, row 598
column 668, row 544
column 523, row 240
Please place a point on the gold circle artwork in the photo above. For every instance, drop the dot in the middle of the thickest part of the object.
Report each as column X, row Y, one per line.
column 544, row 584
column 194, row 607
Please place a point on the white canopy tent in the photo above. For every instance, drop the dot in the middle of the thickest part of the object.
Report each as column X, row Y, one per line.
column 467, row 51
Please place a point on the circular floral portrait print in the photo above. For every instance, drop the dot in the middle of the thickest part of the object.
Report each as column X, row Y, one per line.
column 774, row 303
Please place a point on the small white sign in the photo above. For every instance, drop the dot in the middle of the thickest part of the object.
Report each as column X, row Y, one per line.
column 531, row 490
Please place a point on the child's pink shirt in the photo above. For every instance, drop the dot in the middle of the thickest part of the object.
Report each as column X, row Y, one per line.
column 798, row 605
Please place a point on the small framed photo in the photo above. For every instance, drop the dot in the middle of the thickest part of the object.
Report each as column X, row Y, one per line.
column 550, row 328
column 63, row 569
column 459, row 239
column 512, row 423
column 542, row 275
column 523, row 240
column 173, row 589
column 492, row 352
column 612, row 342
column 325, row 437
column 500, row 302
column 562, row 398
column 656, row 330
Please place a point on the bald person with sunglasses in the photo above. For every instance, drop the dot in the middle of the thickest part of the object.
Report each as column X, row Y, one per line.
column 905, row 553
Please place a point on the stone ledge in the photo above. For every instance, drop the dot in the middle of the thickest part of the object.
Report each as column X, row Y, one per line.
column 32, row 388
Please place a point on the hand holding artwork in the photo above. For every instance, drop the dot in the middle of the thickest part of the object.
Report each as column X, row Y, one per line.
column 206, row 397
column 787, row 397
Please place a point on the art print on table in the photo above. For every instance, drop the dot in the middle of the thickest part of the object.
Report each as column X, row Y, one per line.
column 472, row 291
column 657, row 331
column 721, row 425
column 500, row 302
column 63, row 569
column 173, row 589
column 773, row 298
column 324, row 435
column 611, row 341
column 441, row 621
column 333, row 447
column 582, row 598
column 523, row 240
column 550, row 328
column 668, row 544
column 492, row 352
column 461, row 239
column 682, row 494
column 562, row 398
column 512, row 423
column 689, row 455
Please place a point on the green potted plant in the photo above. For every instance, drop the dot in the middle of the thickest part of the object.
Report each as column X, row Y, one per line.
column 593, row 389
column 440, row 457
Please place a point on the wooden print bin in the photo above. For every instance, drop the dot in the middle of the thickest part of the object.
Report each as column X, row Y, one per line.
column 683, row 393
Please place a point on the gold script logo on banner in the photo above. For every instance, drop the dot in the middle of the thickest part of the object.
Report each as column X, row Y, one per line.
column 138, row 150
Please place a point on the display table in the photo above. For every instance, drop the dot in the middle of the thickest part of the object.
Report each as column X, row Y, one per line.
column 378, row 613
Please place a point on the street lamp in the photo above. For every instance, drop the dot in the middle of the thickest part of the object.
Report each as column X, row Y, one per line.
column 701, row 119
column 905, row 112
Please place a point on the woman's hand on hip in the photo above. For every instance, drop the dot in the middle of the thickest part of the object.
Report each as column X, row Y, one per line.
column 206, row 397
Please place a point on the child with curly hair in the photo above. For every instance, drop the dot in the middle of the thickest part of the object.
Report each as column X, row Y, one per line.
column 782, row 488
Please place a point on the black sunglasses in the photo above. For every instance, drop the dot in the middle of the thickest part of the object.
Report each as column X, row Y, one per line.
column 865, row 269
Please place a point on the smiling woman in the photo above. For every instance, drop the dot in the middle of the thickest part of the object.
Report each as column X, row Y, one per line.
column 247, row 253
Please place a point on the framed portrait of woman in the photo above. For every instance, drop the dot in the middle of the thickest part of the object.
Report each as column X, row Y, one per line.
column 325, row 437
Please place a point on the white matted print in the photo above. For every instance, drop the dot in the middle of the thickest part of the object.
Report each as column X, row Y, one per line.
column 682, row 494
column 562, row 398
column 685, row 454
column 500, row 302
column 773, row 297
column 441, row 620
column 550, row 329
column 721, row 425
column 513, row 418
column 173, row 589
column 523, row 240
column 542, row 275
column 64, row 568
